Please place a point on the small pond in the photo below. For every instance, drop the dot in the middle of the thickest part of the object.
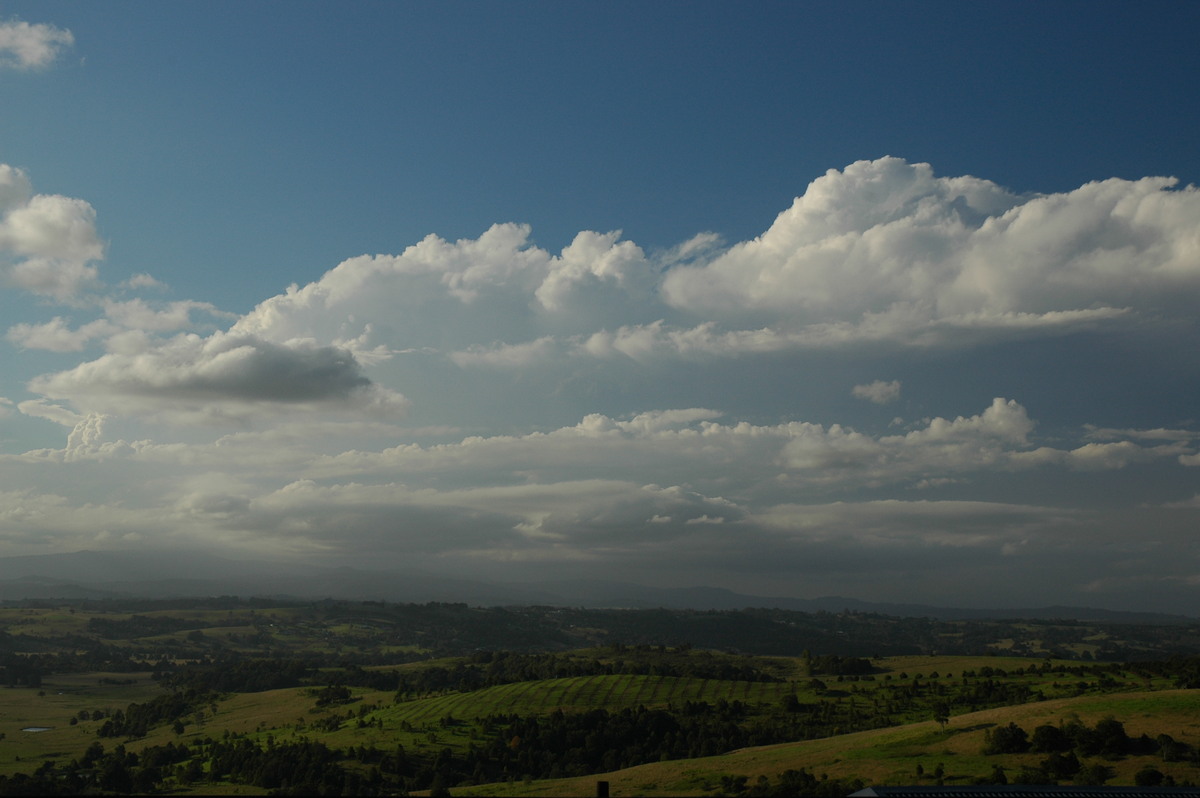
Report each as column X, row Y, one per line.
column 37, row 728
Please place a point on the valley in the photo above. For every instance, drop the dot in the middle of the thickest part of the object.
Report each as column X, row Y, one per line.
column 234, row 696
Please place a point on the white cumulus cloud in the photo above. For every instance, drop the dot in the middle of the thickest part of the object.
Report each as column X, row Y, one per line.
column 26, row 46
column 889, row 238
column 879, row 392
column 49, row 240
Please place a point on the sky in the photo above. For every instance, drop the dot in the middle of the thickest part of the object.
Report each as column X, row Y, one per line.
column 894, row 301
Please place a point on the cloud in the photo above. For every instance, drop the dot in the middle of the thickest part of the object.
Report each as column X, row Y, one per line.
column 497, row 289
column 56, row 336
column 40, row 408
column 52, row 239
column 743, row 459
column 879, row 392
column 592, row 260
column 618, row 407
column 1101, row 456
column 86, row 437
column 887, row 239
column 1158, row 434
column 25, row 46
column 881, row 255
column 142, row 281
column 943, row 446
column 137, row 314
column 775, row 500
column 645, row 343
column 38, row 522
column 574, row 519
column 507, row 356
column 134, row 316
column 893, row 523
column 224, row 375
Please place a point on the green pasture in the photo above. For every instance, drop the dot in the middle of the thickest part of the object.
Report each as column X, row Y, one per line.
column 432, row 722
column 240, row 615
column 583, row 693
column 39, row 622
column 450, row 720
column 891, row 756
column 289, row 627
column 925, row 665
column 60, row 698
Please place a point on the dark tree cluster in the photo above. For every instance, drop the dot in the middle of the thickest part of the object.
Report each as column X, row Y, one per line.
column 791, row 784
column 1069, row 744
column 137, row 719
column 489, row 669
column 237, row 675
column 835, row 665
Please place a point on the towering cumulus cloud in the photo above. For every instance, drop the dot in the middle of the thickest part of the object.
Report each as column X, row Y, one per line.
column 881, row 252
column 885, row 248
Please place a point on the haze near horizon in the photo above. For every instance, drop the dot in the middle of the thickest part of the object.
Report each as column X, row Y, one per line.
column 789, row 299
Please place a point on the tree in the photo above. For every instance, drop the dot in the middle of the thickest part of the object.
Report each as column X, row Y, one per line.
column 1094, row 774
column 1047, row 739
column 941, row 714
column 115, row 776
column 145, row 780
column 1061, row 766
column 437, row 788
column 1111, row 737
column 1010, row 739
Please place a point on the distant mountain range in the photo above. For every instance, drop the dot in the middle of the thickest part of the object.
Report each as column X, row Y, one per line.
column 154, row 575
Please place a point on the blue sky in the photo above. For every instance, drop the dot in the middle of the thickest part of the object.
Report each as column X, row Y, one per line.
column 793, row 298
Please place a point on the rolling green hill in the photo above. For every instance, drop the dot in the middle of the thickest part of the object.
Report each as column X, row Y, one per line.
column 232, row 696
column 891, row 756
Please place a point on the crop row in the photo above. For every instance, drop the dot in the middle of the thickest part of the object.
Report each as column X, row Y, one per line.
column 581, row 693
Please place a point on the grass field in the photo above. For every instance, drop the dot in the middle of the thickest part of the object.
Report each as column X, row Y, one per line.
column 60, row 698
column 891, row 756
column 426, row 724
column 581, row 693
column 448, row 720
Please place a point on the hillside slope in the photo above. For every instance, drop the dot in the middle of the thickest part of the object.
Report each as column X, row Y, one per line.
column 891, row 756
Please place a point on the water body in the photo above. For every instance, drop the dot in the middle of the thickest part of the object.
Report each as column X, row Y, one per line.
column 37, row 728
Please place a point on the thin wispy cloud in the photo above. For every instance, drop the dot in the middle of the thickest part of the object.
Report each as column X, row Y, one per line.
column 879, row 392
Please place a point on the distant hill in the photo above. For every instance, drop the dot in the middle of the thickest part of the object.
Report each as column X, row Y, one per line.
column 621, row 594
column 156, row 575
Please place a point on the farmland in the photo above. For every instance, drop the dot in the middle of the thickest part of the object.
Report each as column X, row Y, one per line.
column 256, row 697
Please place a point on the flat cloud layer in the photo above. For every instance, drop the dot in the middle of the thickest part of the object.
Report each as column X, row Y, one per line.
column 710, row 413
